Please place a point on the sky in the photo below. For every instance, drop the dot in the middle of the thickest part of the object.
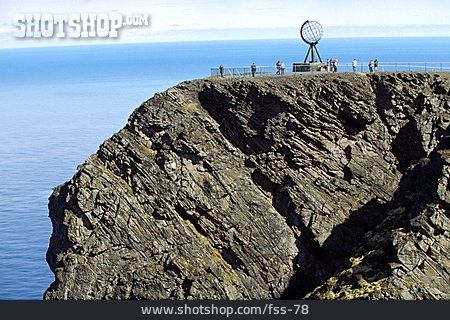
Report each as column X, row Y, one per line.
column 187, row 20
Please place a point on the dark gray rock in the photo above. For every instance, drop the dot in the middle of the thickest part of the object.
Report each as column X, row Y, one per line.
column 325, row 186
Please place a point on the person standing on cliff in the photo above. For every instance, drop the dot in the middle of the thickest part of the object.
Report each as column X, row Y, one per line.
column 335, row 65
column 253, row 67
column 278, row 66
column 375, row 64
column 221, row 68
column 354, row 65
column 283, row 66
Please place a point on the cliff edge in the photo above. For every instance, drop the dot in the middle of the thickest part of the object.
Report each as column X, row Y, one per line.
column 330, row 186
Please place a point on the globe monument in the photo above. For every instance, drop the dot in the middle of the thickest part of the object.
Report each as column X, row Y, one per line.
column 311, row 32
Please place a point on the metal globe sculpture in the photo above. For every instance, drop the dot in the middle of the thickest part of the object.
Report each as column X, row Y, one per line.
column 311, row 32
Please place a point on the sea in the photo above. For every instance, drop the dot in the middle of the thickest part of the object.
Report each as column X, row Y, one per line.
column 58, row 104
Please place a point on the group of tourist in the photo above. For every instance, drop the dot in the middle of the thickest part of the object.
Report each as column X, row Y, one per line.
column 373, row 65
column 280, row 67
column 332, row 66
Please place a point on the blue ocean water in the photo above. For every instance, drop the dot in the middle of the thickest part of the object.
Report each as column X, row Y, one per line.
column 57, row 105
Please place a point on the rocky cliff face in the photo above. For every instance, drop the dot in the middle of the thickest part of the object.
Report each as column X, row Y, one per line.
column 323, row 186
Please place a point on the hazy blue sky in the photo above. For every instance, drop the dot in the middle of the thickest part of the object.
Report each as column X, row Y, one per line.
column 227, row 19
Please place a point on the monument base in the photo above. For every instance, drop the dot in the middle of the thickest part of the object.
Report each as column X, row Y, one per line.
column 309, row 67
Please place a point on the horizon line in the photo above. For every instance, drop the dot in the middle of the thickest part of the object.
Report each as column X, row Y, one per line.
column 209, row 40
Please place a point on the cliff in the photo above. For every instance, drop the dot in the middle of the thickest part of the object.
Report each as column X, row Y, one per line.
column 330, row 186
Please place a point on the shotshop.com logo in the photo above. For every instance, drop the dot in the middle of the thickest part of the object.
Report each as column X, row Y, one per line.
column 78, row 25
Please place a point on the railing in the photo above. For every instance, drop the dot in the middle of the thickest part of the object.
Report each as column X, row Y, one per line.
column 247, row 71
column 342, row 67
column 401, row 66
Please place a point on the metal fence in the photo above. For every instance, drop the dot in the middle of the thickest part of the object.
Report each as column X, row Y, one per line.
column 247, row 71
column 401, row 66
column 342, row 67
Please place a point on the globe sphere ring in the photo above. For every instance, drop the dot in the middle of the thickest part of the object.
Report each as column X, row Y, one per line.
column 311, row 32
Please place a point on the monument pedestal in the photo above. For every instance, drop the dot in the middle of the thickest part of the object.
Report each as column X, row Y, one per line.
column 309, row 67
